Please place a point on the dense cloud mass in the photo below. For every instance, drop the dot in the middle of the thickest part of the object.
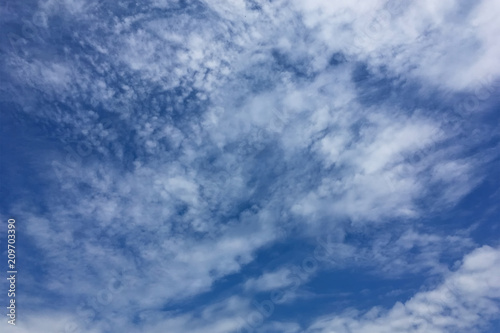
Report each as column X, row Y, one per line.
column 252, row 166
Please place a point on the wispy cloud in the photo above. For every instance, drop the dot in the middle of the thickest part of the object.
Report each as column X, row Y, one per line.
column 464, row 301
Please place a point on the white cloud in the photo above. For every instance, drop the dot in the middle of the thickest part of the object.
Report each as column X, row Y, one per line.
column 269, row 281
column 418, row 39
column 463, row 302
column 45, row 321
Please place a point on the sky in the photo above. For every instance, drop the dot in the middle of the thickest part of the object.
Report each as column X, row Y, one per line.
column 238, row 166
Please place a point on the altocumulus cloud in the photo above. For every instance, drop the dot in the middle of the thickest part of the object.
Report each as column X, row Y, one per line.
column 175, row 164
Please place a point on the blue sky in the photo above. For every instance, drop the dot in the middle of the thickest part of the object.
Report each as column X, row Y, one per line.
column 252, row 166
